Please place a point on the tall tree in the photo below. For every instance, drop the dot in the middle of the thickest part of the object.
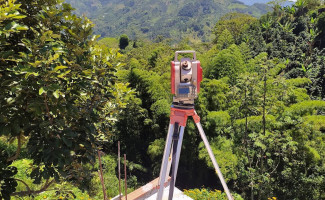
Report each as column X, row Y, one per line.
column 123, row 41
column 235, row 23
column 58, row 87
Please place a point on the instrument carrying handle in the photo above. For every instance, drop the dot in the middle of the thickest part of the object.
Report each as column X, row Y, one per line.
column 186, row 51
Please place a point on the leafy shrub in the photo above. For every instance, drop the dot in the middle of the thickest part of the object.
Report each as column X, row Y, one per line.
column 206, row 194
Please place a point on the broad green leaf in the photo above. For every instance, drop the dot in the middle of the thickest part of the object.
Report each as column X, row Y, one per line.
column 56, row 36
column 56, row 94
column 11, row 25
column 63, row 74
column 58, row 49
column 260, row 144
column 87, row 72
column 22, row 28
column 41, row 91
column 19, row 16
column 59, row 67
column 56, row 56
column 30, row 73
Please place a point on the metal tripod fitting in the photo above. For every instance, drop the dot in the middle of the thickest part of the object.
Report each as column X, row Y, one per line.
column 178, row 118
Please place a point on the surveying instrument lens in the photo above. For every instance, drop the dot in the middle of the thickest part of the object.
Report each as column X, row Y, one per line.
column 186, row 76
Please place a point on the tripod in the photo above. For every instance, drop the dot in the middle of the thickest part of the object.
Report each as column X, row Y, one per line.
column 178, row 118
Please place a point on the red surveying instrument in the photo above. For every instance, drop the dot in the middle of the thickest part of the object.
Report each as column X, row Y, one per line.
column 186, row 76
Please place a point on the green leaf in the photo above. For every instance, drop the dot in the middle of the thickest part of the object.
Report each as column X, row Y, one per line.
column 58, row 49
column 64, row 73
column 260, row 144
column 56, row 94
column 11, row 25
column 303, row 67
column 14, row 26
column 56, row 36
column 22, row 28
column 19, row 16
column 60, row 67
column 31, row 73
column 41, row 91
column 87, row 72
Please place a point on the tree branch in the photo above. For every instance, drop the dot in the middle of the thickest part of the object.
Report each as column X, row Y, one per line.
column 47, row 109
column 28, row 188
column 30, row 192
column 18, row 150
column 276, row 166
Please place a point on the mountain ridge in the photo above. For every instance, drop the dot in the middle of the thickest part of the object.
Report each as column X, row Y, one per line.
column 252, row 2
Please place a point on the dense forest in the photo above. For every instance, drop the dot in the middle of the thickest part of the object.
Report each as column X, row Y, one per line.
column 68, row 96
column 168, row 18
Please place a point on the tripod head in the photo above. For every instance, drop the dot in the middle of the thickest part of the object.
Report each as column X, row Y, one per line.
column 186, row 76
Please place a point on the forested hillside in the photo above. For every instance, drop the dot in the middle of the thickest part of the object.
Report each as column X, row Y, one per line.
column 151, row 18
column 67, row 98
column 282, row 2
column 251, row 2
